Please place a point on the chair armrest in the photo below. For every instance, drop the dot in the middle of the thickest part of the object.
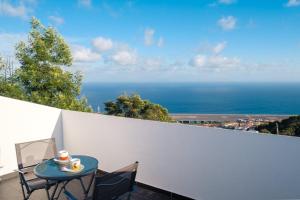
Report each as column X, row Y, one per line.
column 21, row 172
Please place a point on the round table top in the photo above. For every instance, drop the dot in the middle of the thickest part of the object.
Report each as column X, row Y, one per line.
column 51, row 170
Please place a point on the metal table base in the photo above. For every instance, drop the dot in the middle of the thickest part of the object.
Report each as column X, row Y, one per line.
column 69, row 195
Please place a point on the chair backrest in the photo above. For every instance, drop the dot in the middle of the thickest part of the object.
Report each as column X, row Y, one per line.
column 34, row 152
column 112, row 185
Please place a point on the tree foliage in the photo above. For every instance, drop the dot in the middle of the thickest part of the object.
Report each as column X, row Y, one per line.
column 8, row 84
column 135, row 107
column 41, row 77
column 289, row 126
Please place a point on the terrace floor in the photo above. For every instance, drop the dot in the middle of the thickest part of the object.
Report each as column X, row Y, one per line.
column 11, row 190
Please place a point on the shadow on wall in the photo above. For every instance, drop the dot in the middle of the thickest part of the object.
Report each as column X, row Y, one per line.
column 23, row 122
column 33, row 151
column 57, row 133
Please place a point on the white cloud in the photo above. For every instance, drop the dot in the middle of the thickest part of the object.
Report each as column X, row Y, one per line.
column 292, row 3
column 8, row 42
column 149, row 36
column 116, row 56
column 160, row 42
column 227, row 23
column 13, row 10
column 214, row 61
column 124, row 57
column 102, row 44
column 222, row 62
column 227, row 2
column 83, row 54
column 86, row 3
column 198, row 60
column 219, row 47
column 56, row 20
column 152, row 62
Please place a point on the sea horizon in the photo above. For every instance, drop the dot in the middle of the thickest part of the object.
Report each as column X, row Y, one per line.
column 205, row 98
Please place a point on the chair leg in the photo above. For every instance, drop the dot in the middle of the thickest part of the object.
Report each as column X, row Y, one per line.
column 129, row 196
column 28, row 196
column 23, row 192
column 47, row 192
column 22, row 186
column 25, row 196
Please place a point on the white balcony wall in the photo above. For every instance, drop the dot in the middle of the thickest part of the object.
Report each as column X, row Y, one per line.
column 201, row 163
column 21, row 122
column 198, row 162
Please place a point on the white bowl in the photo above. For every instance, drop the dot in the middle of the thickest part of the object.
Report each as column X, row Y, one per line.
column 62, row 162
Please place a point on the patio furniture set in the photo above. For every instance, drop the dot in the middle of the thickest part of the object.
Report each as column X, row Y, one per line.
column 40, row 167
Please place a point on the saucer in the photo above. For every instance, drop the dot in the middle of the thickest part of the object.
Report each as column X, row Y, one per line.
column 67, row 169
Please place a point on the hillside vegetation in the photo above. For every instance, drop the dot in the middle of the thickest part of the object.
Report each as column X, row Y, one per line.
column 290, row 126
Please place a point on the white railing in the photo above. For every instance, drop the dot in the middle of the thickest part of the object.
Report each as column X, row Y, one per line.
column 198, row 162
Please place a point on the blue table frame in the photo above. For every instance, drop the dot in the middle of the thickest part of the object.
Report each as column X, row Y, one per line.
column 50, row 171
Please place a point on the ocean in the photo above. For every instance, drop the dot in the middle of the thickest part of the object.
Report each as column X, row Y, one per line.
column 204, row 98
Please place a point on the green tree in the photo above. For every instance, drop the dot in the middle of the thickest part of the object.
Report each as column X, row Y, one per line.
column 289, row 126
column 9, row 86
column 41, row 77
column 135, row 107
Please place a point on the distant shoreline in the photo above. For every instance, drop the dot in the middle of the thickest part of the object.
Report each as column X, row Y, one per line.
column 175, row 114
column 227, row 117
column 232, row 114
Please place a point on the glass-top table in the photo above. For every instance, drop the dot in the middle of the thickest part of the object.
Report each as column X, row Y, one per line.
column 51, row 171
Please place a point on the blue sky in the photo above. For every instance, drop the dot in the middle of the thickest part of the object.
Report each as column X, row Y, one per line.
column 168, row 40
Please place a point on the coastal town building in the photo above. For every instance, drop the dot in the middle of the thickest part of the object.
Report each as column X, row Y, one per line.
column 227, row 121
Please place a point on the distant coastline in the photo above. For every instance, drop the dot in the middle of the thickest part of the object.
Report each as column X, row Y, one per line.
column 227, row 117
column 249, row 114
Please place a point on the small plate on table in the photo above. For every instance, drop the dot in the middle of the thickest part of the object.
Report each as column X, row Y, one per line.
column 67, row 169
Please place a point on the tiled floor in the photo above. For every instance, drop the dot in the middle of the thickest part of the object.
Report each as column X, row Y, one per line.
column 11, row 190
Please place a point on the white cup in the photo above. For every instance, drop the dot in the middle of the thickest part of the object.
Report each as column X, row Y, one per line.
column 63, row 155
column 75, row 163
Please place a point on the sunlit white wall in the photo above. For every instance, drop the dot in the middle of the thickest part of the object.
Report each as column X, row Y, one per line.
column 198, row 162
column 21, row 122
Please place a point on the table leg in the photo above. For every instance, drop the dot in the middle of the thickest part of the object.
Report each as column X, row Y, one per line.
column 53, row 193
column 62, row 188
column 48, row 186
column 52, row 196
column 91, row 181
column 87, row 190
column 47, row 191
